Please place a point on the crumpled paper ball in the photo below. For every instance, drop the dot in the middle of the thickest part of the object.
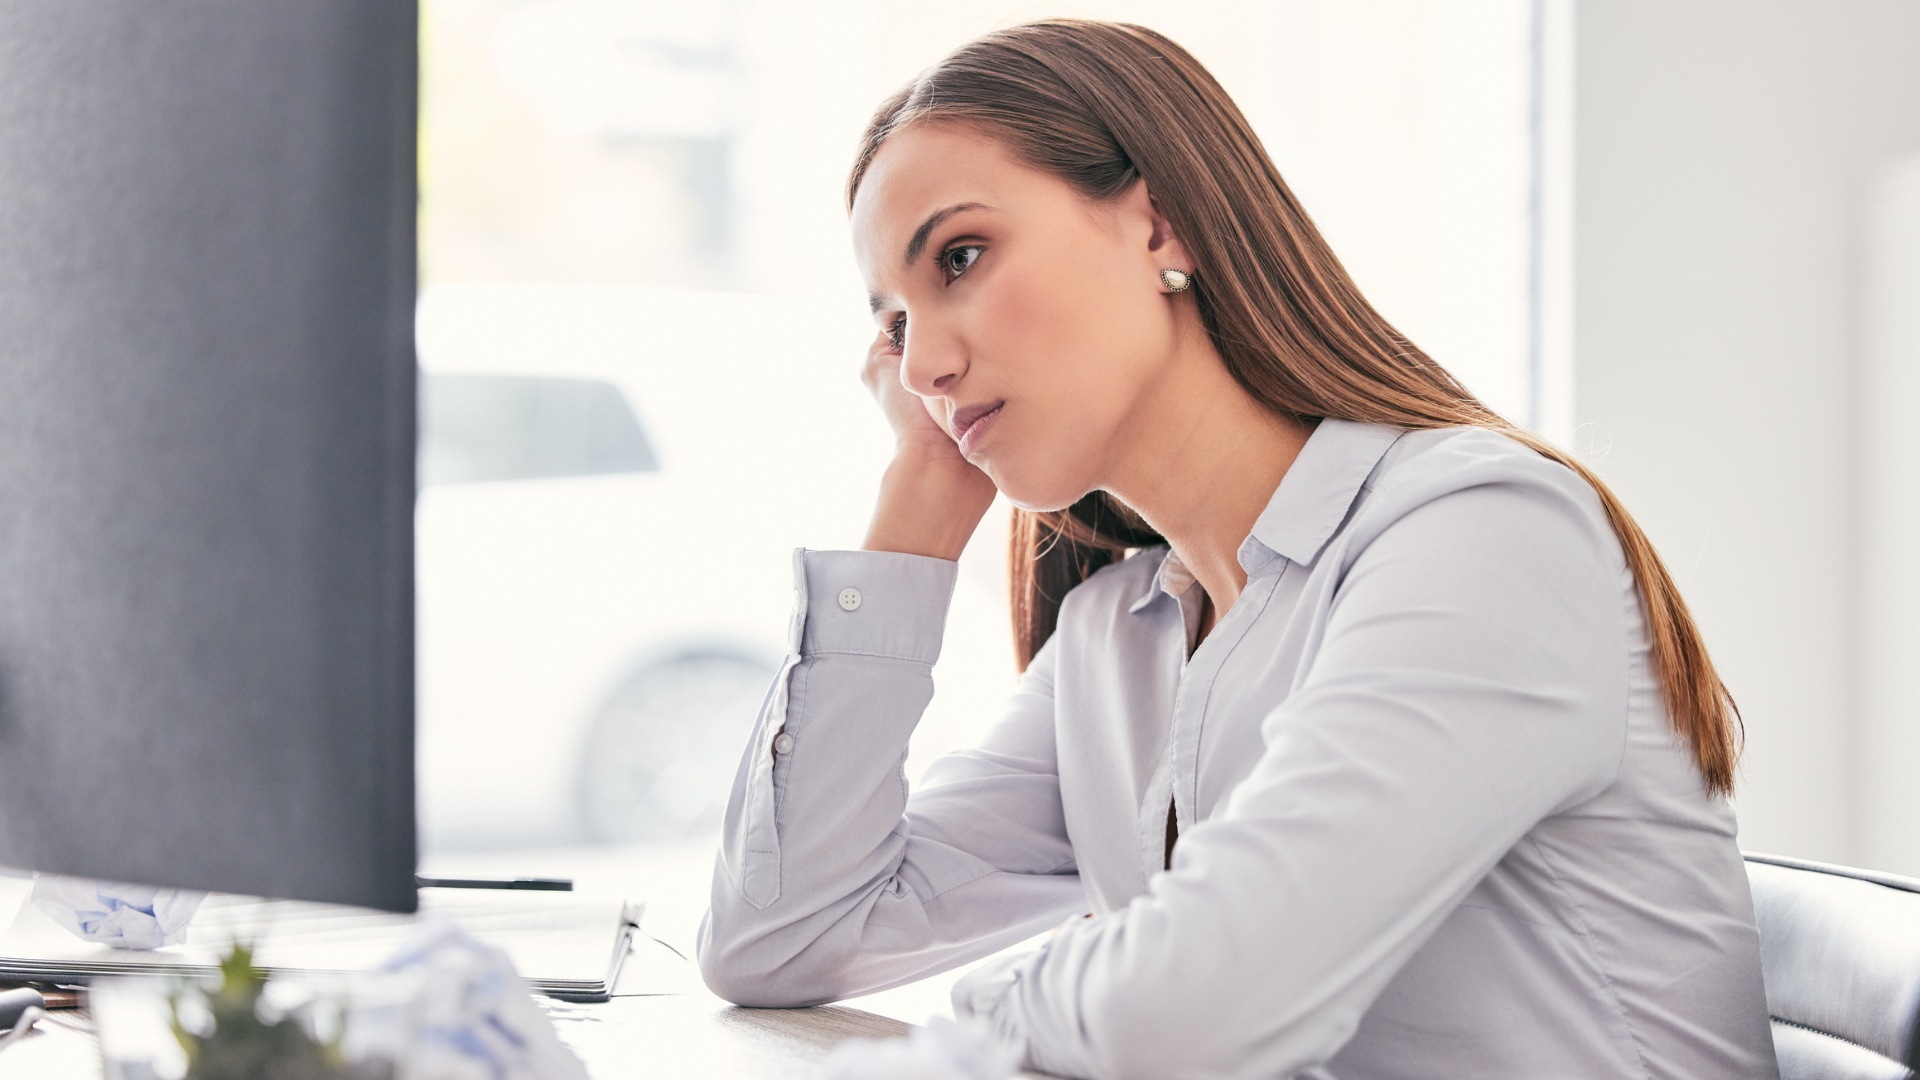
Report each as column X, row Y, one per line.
column 452, row 1008
column 123, row 916
column 942, row 1050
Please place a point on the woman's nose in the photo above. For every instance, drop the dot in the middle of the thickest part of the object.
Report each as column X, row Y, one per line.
column 930, row 365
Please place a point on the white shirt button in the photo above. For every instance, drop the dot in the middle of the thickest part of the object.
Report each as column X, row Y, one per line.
column 783, row 743
column 849, row 599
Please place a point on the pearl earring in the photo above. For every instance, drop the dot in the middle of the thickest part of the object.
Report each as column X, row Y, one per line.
column 1175, row 280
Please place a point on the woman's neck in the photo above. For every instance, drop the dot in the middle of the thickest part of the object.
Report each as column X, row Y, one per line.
column 1201, row 463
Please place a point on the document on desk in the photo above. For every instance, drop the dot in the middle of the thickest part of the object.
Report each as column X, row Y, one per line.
column 568, row 945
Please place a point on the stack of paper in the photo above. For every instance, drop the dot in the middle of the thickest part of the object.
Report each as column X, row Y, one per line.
column 567, row 945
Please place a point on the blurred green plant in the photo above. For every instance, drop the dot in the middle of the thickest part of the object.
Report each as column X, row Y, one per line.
column 244, row 1044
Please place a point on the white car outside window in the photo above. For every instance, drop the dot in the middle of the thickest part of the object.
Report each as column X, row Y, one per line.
column 613, row 481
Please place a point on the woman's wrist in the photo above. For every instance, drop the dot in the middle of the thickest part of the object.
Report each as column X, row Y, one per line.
column 929, row 505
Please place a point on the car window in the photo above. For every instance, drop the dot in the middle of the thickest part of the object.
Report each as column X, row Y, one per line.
column 525, row 427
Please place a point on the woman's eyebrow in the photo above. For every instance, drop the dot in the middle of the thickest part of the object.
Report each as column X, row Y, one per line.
column 919, row 242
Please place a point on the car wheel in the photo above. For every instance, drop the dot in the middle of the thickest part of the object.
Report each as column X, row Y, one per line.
column 662, row 755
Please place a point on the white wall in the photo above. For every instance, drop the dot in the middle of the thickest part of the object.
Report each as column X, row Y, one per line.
column 1722, row 150
column 1889, row 576
column 1404, row 126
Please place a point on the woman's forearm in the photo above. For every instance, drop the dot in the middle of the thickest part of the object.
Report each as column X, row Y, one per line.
column 828, row 875
column 929, row 505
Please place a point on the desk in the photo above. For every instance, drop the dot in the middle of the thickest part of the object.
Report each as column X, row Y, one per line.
column 662, row 1021
column 642, row 1032
column 667, row 1035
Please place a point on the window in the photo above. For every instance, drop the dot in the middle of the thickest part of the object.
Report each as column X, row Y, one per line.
column 641, row 329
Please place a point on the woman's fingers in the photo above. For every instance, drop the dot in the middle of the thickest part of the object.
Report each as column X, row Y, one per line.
column 931, row 498
column 882, row 363
column 916, row 421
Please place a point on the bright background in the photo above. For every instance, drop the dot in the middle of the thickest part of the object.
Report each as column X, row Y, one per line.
column 1681, row 237
column 650, row 194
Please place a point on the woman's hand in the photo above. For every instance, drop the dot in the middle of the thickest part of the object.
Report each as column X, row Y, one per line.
column 931, row 498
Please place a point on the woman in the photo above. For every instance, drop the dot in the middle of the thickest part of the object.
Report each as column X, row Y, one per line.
column 1358, row 728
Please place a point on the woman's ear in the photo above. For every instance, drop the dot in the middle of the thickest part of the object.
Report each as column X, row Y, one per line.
column 1162, row 230
column 1167, row 251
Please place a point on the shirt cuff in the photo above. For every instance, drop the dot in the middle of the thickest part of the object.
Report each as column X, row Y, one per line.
column 871, row 603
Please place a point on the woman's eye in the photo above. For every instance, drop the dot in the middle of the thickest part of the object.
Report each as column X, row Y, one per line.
column 897, row 333
column 958, row 260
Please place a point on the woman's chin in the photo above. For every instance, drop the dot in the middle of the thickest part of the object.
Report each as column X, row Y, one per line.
column 1038, row 498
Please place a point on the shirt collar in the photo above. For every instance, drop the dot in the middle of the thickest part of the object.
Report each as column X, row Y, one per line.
column 1171, row 579
column 1306, row 509
column 1318, row 490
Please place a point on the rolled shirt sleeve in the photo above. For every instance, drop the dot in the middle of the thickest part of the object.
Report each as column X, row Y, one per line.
column 831, row 880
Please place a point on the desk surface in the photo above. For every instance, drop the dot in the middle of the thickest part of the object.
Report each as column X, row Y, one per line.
column 663, row 1022
column 669, row 1035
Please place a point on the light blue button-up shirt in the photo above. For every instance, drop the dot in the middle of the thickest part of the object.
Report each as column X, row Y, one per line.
column 1434, row 820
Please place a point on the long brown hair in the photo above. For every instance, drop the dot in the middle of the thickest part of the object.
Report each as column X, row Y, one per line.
column 1103, row 105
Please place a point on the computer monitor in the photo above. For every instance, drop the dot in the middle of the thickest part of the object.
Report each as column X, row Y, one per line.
column 207, row 411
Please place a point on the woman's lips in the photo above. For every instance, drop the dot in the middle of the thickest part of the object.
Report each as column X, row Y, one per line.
column 971, row 424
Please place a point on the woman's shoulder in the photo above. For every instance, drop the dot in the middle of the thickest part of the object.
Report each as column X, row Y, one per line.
column 1497, row 472
column 1471, row 454
column 1424, row 465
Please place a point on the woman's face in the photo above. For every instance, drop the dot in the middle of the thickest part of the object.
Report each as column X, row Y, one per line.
column 1031, row 322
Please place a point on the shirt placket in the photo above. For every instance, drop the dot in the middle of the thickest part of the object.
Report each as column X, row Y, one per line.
column 1176, row 778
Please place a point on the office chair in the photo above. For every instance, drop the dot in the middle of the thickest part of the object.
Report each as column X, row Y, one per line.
column 1841, row 951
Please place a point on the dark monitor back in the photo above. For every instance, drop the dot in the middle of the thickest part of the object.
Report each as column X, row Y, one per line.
column 207, row 388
